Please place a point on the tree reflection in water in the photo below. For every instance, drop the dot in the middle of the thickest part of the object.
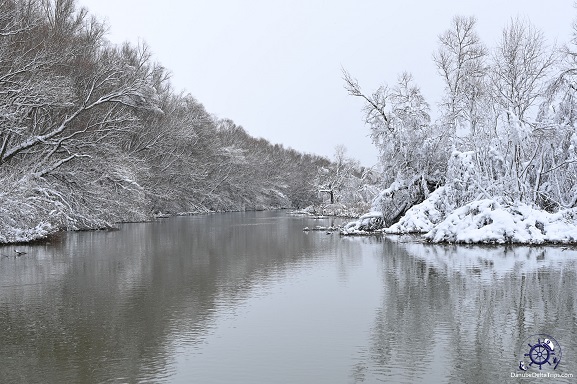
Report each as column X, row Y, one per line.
column 459, row 313
column 122, row 306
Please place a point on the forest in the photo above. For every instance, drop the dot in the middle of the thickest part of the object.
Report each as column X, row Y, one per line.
column 501, row 158
column 92, row 134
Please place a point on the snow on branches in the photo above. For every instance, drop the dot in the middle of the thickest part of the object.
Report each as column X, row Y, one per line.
column 504, row 141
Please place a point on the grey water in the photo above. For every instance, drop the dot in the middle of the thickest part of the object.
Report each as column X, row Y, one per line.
column 251, row 298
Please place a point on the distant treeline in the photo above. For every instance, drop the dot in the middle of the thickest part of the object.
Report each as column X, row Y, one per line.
column 92, row 133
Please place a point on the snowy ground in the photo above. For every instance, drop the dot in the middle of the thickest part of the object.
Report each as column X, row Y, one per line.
column 422, row 217
column 489, row 221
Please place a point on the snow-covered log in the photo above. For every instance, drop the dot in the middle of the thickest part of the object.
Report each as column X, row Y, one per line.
column 368, row 223
column 423, row 217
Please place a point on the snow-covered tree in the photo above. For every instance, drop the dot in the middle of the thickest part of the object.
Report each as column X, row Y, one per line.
column 411, row 149
column 461, row 61
column 554, row 184
column 506, row 128
column 92, row 133
column 334, row 180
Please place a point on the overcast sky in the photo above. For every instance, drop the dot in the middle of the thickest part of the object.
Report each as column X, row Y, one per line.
column 274, row 66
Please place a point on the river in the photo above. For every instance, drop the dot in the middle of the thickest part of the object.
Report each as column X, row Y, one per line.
column 251, row 298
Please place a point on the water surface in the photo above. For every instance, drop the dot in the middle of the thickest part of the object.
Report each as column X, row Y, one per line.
column 251, row 298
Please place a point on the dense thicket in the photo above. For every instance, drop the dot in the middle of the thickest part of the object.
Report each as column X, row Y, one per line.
column 506, row 126
column 92, row 133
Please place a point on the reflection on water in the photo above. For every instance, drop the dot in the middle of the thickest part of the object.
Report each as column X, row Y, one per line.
column 250, row 298
column 458, row 314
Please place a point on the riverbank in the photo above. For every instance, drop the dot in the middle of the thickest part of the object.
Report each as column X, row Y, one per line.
column 13, row 232
column 333, row 210
column 487, row 221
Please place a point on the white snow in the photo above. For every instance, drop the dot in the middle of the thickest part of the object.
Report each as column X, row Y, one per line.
column 15, row 234
column 366, row 224
column 463, row 211
column 492, row 221
column 488, row 221
column 422, row 217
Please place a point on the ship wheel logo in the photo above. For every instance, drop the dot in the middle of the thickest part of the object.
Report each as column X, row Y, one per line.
column 543, row 350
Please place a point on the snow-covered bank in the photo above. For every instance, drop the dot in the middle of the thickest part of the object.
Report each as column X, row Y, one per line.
column 337, row 210
column 18, row 226
column 422, row 217
column 24, row 214
column 489, row 221
column 367, row 224
column 11, row 233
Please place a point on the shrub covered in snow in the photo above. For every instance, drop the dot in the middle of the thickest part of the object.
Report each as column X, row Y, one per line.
column 24, row 215
column 506, row 132
column 459, row 213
